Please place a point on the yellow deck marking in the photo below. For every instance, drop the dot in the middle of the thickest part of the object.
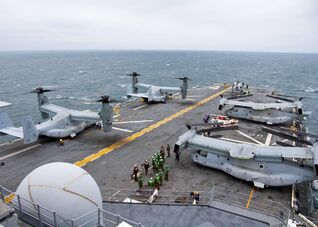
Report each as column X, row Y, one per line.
column 9, row 198
column 146, row 130
column 250, row 198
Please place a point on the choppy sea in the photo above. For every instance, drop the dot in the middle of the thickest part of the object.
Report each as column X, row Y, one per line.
column 82, row 76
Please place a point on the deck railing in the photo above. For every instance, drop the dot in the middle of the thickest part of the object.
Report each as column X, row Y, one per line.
column 37, row 215
column 217, row 194
column 259, row 205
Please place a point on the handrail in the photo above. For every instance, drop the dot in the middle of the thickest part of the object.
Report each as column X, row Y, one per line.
column 48, row 217
column 217, row 193
column 98, row 216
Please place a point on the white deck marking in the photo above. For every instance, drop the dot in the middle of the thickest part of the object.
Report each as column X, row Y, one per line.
column 247, row 136
column 4, row 144
column 236, row 141
column 193, row 100
column 139, row 107
column 214, row 87
column 121, row 129
column 194, row 96
column 19, row 152
column 268, row 139
column 11, row 142
column 148, row 129
column 128, row 122
column 112, row 196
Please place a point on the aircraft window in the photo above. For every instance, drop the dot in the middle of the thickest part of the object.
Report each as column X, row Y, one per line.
column 228, row 159
column 218, row 156
column 204, row 154
column 269, row 113
column 66, row 123
column 261, row 166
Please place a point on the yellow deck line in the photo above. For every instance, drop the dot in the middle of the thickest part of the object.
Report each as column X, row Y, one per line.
column 250, row 198
column 9, row 198
column 136, row 135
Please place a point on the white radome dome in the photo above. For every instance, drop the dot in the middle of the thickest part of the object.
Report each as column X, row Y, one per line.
column 64, row 188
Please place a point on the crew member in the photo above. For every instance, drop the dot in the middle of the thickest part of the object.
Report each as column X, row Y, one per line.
column 166, row 173
column 98, row 125
column 140, row 181
column 195, row 195
column 146, row 165
column 135, row 172
column 162, row 152
column 177, row 156
column 168, row 150
column 61, row 142
column 206, row 118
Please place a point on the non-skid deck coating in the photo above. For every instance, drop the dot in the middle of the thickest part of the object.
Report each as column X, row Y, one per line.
column 110, row 157
column 174, row 215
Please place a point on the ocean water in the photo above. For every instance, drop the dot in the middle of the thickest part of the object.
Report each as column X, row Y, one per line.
column 82, row 76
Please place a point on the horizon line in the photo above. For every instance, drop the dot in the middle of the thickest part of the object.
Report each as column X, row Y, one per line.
column 167, row 50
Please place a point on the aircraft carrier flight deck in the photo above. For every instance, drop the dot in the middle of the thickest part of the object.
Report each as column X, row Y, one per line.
column 110, row 157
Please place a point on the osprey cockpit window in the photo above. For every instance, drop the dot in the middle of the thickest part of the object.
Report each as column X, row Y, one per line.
column 203, row 153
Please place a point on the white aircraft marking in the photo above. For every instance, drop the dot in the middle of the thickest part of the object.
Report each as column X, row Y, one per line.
column 247, row 136
column 19, row 152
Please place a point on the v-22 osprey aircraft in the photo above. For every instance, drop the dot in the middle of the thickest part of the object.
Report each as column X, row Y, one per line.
column 156, row 93
column 262, row 165
column 269, row 113
column 64, row 123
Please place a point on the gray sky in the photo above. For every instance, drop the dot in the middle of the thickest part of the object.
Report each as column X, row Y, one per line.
column 248, row 25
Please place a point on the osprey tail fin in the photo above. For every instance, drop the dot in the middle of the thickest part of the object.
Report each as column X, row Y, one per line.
column 5, row 120
column 30, row 133
column 184, row 87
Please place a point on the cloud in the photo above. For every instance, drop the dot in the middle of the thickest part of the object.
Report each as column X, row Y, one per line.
column 255, row 25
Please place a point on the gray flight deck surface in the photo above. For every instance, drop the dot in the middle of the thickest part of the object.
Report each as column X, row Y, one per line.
column 202, row 216
column 113, row 169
